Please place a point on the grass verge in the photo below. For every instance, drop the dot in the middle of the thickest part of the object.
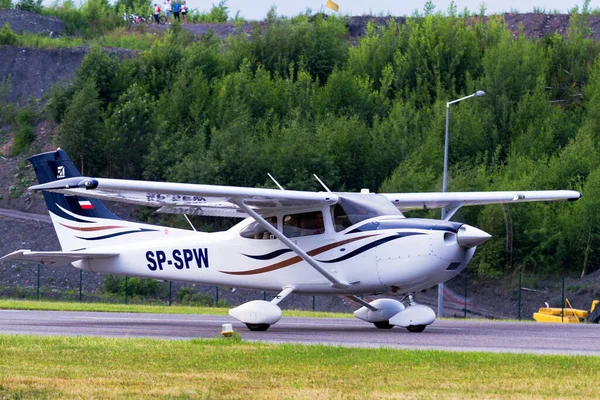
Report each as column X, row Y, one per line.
column 138, row 308
column 86, row 367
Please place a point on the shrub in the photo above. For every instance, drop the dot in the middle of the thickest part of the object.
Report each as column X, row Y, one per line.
column 187, row 297
column 30, row 5
column 25, row 134
column 7, row 36
column 136, row 287
column 23, row 138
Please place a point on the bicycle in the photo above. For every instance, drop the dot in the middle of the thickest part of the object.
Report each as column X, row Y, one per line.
column 161, row 19
column 134, row 19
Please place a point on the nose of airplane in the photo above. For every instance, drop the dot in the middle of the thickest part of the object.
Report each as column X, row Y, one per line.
column 469, row 236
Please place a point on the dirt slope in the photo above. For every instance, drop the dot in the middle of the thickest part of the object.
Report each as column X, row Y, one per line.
column 31, row 72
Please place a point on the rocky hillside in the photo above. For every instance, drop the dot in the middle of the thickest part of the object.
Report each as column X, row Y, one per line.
column 29, row 73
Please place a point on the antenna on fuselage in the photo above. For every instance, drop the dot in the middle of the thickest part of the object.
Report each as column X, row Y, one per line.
column 321, row 182
column 277, row 183
column 189, row 222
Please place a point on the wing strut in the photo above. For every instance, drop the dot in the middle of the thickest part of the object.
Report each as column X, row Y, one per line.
column 363, row 303
column 453, row 208
column 336, row 283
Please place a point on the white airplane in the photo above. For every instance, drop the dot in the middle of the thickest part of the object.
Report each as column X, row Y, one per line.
column 289, row 241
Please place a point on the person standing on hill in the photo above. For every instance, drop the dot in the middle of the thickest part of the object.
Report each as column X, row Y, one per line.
column 184, row 11
column 168, row 10
column 156, row 13
column 176, row 8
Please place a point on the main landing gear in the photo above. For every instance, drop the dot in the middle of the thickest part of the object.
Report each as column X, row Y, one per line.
column 258, row 327
column 259, row 315
column 387, row 313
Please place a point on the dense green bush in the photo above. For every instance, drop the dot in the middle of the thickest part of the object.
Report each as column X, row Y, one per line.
column 136, row 287
column 30, row 5
column 25, row 134
column 7, row 36
column 300, row 99
column 218, row 13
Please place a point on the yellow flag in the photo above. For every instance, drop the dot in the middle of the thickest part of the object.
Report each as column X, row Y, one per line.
column 332, row 5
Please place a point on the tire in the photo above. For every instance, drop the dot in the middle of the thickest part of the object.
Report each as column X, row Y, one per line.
column 383, row 325
column 258, row 327
column 416, row 328
column 162, row 19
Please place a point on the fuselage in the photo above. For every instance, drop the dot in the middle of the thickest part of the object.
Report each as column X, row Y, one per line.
column 381, row 254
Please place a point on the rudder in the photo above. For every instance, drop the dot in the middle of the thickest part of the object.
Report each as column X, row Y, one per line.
column 56, row 165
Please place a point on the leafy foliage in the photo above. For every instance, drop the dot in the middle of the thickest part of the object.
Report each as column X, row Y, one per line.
column 7, row 36
column 299, row 99
column 134, row 287
column 30, row 5
column 25, row 134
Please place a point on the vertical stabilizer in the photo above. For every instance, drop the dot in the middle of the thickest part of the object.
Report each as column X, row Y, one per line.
column 81, row 222
column 56, row 165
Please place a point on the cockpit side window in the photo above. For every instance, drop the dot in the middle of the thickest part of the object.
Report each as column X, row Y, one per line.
column 304, row 224
column 256, row 231
column 352, row 209
column 340, row 218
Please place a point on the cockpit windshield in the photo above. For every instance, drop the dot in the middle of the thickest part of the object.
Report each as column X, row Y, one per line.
column 354, row 208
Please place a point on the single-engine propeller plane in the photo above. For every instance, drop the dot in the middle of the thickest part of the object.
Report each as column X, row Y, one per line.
column 313, row 243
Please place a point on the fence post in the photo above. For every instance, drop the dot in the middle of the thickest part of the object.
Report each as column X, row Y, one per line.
column 217, row 297
column 466, row 284
column 562, row 314
column 520, row 290
column 126, row 294
column 264, row 295
column 37, row 296
column 313, row 303
column 170, row 291
column 80, row 284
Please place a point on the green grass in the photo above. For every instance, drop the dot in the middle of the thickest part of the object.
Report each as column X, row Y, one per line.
column 45, row 42
column 7, row 304
column 118, row 38
column 84, row 367
column 125, row 39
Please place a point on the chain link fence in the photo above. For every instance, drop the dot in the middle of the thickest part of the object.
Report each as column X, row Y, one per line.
column 516, row 297
column 40, row 282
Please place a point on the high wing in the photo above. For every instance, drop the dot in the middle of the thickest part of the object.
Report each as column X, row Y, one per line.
column 186, row 198
column 222, row 201
column 54, row 257
column 452, row 200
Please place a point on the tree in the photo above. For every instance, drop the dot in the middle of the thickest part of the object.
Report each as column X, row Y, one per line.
column 82, row 127
column 130, row 128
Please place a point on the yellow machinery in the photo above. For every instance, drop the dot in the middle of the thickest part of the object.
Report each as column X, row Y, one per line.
column 567, row 315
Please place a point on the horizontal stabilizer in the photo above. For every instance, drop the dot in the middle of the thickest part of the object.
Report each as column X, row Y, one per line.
column 54, row 257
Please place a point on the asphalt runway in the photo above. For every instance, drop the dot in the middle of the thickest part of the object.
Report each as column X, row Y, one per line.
column 458, row 335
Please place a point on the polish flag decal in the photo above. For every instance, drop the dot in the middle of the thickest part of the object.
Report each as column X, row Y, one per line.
column 86, row 205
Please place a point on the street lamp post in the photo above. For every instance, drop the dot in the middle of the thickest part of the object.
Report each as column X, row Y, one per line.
column 478, row 93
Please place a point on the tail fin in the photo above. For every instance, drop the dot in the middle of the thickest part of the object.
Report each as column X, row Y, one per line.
column 81, row 222
column 55, row 165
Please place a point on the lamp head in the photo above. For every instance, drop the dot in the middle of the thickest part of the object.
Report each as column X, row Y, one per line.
column 479, row 93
